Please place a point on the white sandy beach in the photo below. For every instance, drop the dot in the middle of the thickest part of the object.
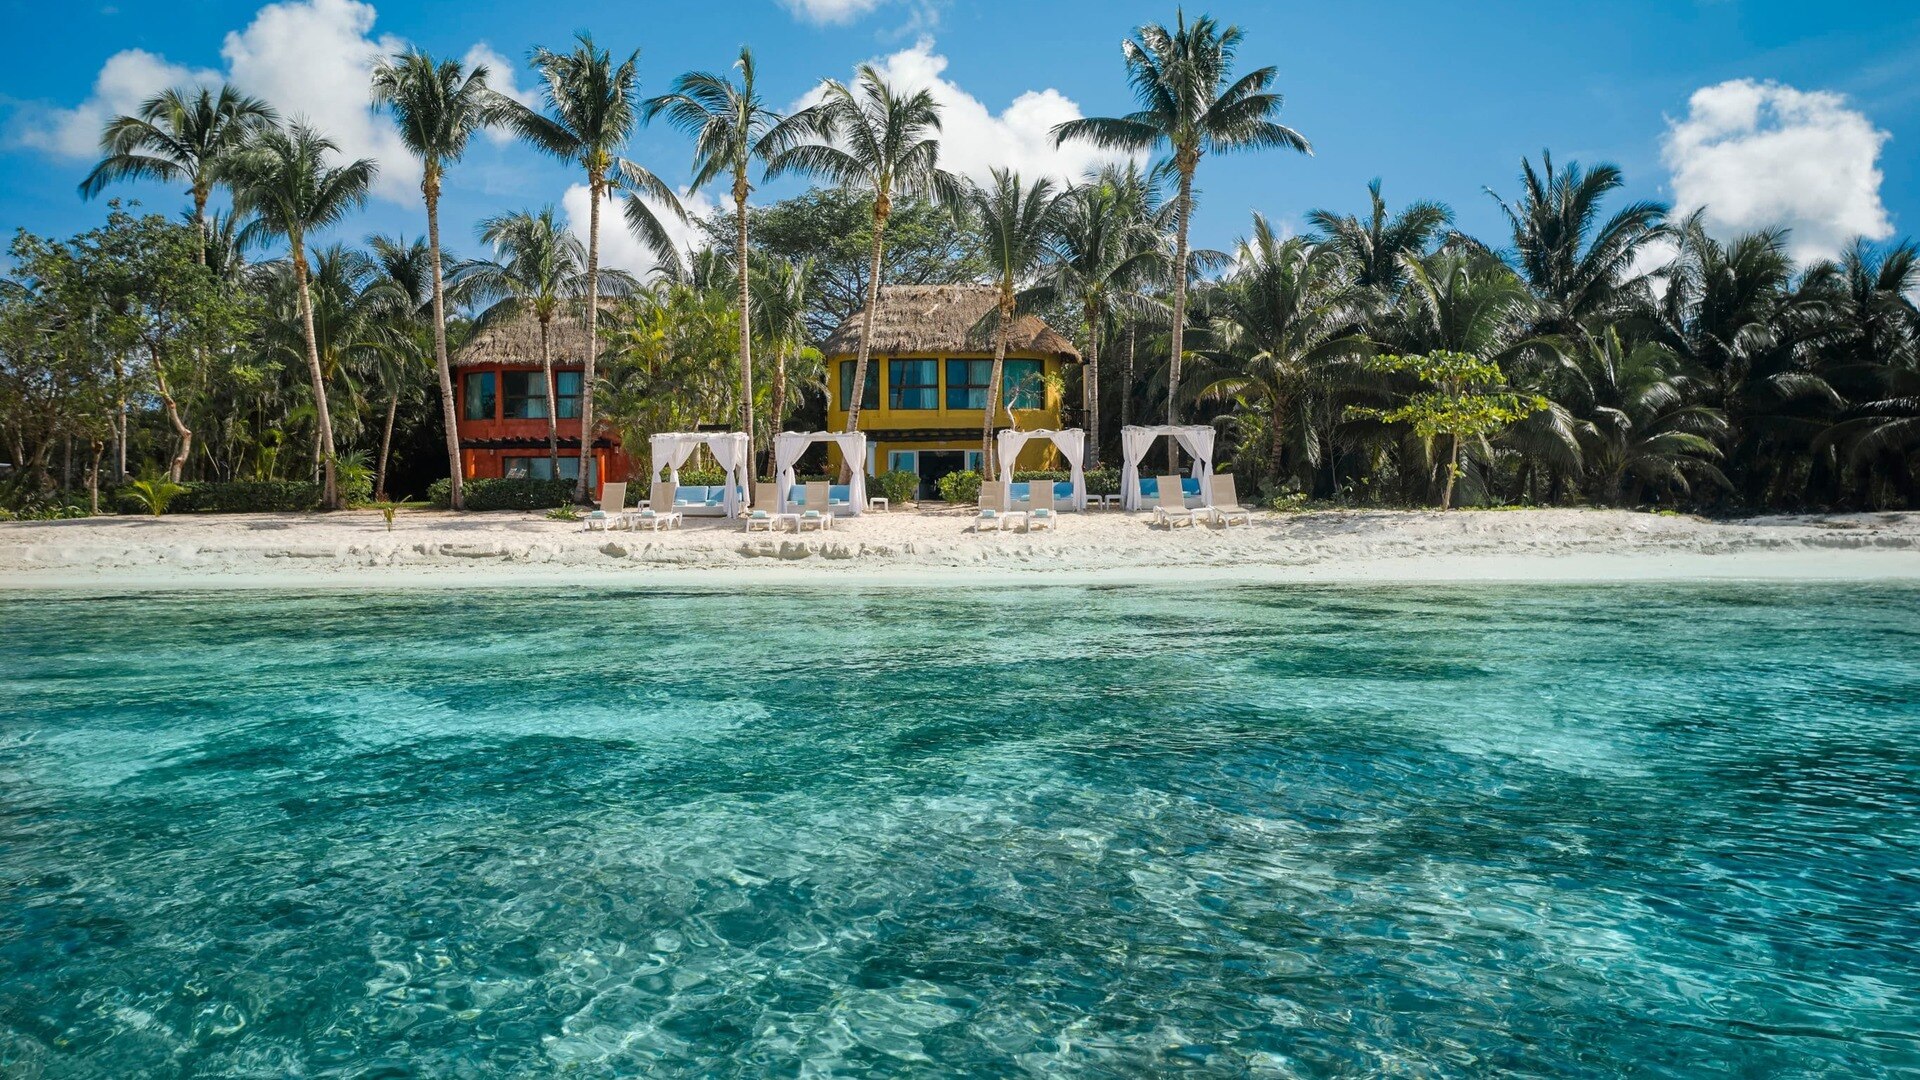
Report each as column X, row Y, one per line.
column 355, row 549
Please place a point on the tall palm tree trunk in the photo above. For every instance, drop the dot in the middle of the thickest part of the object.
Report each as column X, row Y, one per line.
column 456, row 497
column 200, row 223
column 595, row 189
column 746, row 332
column 993, row 384
column 386, row 448
column 859, row 390
column 553, row 403
column 99, row 447
column 778, row 405
column 1182, row 214
column 1090, row 390
column 1126, row 378
column 323, row 436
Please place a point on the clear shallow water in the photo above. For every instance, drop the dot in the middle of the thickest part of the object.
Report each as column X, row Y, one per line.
column 1559, row 830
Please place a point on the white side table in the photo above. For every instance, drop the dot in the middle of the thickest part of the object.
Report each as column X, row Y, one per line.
column 877, row 503
column 781, row 521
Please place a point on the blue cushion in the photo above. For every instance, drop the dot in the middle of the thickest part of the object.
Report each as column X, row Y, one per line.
column 1189, row 485
column 716, row 496
column 1020, row 489
column 1149, row 488
column 797, row 496
column 1063, row 489
column 839, row 493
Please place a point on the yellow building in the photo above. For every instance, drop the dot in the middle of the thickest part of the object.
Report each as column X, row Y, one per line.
column 927, row 381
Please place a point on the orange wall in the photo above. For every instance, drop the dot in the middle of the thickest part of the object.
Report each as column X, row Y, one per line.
column 611, row 460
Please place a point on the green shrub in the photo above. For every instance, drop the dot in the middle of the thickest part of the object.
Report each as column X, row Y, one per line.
column 483, row 493
column 898, row 486
column 155, row 493
column 960, row 487
column 250, row 496
column 1103, row 481
column 710, row 477
column 1025, row 476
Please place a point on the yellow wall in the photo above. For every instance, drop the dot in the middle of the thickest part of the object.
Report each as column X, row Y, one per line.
column 878, row 421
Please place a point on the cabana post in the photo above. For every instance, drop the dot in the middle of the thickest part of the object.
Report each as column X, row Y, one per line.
column 1135, row 441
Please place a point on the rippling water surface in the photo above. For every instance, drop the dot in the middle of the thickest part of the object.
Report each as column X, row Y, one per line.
column 1045, row 831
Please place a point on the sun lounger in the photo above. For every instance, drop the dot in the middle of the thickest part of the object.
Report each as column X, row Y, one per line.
column 765, row 513
column 659, row 512
column 1170, row 502
column 818, row 512
column 613, row 499
column 993, row 508
column 1225, row 504
column 1040, row 509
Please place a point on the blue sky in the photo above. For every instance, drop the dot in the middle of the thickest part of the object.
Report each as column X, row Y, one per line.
column 1764, row 112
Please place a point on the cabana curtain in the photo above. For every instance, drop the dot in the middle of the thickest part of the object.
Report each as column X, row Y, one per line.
column 1071, row 442
column 789, row 445
column 1196, row 440
column 671, row 449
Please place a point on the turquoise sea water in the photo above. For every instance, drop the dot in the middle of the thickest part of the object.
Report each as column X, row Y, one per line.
column 1569, row 831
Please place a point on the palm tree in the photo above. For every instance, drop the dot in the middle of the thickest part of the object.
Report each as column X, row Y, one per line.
column 1108, row 248
column 1372, row 247
column 1191, row 104
column 284, row 180
column 780, row 322
column 539, row 268
column 437, row 107
column 1574, row 271
column 591, row 112
column 1645, row 423
column 179, row 135
column 401, row 288
column 1284, row 316
column 878, row 140
column 1018, row 223
column 730, row 125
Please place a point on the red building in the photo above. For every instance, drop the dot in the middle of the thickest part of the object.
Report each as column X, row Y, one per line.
column 501, row 397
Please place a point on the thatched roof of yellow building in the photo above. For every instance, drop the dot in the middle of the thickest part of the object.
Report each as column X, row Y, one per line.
column 944, row 320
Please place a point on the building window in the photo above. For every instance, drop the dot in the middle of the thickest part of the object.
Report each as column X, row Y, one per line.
column 1021, row 385
column 903, row 460
column 539, row 468
column 974, row 461
column 566, row 390
column 526, row 393
column 913, row 384
column 967, row 383
column 479, row 395
column 870, row 396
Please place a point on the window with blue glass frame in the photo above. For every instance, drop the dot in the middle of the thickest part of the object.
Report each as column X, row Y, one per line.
column 870, row 396
column 566, row 392
column 1021, row 385
column 967, row 383
column 913, row 384
column 480, row 396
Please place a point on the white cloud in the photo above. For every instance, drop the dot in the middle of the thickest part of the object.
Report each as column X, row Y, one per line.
column 313, row 60
column 1758, row 155
column 619, row 248
column 125, row 81
column 973, row 140
column 830, row 11
column 500, row 76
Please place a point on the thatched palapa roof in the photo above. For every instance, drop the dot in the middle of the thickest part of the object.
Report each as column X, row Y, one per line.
column 944, row 319
column 515, row 339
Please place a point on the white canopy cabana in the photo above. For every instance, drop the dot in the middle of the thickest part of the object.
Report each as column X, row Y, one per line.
column 789, row 445
column 1135, row 441
column 1071, row 442
column 671, row 449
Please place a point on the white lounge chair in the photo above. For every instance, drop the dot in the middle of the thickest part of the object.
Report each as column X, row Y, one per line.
column 993, row 508
column 817, row 513
column 654, row 517
column 764, row 514
column 1170, row 502
column 1040, row 509
column 613, row 500
column 1225, row 504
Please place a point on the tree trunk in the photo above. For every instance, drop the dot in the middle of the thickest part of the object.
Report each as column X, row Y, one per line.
column 881, row 208
column 993, row 382
column 1453, row 468
column 778, row 405
column 1126, row 388
column 180, row 455
column 431, row 189
column 1090, row 390
column 329, row 481
column 746, row 333
column 200, row 193
column 386, row 447
column 1277, row 445
column 93, row 477
column 1183, row 212
column 595, row 189
column 553, row 403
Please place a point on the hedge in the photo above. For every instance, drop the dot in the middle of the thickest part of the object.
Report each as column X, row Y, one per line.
column 960, row 487
column 481, row 493
column 898, row 486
